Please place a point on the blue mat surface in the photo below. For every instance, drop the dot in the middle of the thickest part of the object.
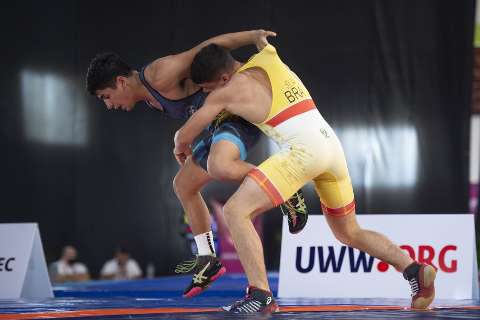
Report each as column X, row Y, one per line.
column 229, row 285
column 158, row 295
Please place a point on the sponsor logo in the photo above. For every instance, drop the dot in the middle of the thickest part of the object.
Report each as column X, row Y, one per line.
column 325, row 133
column 334, row 259
column 6, row 264
column 191, row 110
column 199, row 277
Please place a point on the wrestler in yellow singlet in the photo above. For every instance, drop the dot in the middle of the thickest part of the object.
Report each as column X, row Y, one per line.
column 309, row 148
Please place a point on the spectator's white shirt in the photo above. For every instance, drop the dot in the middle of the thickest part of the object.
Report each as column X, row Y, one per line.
column 64, row 269
column 130, row 271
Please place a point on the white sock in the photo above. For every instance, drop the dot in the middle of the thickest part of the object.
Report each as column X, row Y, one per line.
column 205, row 244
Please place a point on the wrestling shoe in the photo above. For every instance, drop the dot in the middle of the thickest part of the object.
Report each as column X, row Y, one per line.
column 206, row 269
column 421, row 278
column 255, row 300
column 296, row 212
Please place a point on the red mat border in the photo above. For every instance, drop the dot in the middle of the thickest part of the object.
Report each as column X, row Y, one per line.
column 135, row 311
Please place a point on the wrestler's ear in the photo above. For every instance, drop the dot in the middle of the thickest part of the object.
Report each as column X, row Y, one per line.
column 121, row 82
column 225, row 77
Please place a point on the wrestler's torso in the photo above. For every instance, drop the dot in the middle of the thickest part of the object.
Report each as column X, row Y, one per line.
column 272, row 97
column 269, row 88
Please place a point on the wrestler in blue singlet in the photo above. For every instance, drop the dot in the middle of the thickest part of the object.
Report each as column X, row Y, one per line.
column 236, row 130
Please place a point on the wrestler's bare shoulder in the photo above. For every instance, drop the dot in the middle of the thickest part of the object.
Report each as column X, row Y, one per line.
column 240, row 88
column 156, row 71
column 170, row 76
column 247, row 97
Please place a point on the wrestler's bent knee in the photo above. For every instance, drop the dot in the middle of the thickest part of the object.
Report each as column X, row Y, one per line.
column 183, row 183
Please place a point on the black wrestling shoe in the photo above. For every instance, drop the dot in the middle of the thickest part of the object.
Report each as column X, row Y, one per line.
column 206, row 269
column 296, row 212
column 421, row 278
column 256, row 300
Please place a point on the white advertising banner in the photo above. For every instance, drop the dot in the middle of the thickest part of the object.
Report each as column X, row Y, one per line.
column 314, row 264
column 23, row 271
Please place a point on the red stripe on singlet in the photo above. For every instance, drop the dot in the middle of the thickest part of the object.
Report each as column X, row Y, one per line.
column 296, row 109
column 339, row 211
column 267, row 186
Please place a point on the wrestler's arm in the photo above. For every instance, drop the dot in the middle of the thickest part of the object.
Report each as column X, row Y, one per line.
column 216, row 102
column 184, row 137
column 232, row 41
column 177, row 67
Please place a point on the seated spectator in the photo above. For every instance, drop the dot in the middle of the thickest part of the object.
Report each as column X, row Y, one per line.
column 68, row 268
column 121, row 267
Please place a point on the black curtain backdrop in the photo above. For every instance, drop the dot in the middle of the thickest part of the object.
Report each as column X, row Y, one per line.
column 392, row 77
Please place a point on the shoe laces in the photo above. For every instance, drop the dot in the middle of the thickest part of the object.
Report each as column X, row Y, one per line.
column 296, row 204
column 289, row 212
column 291, row 209
column 247, row 305
column 186, row 266
column 301, row 207
column 414, row 285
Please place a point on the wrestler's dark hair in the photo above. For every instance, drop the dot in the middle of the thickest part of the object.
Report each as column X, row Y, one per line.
column 103, row 71
column 209, row 63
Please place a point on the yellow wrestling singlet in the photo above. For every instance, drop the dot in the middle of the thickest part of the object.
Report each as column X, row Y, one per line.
column 309, row 148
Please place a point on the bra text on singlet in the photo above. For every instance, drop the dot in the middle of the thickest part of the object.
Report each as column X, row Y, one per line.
column 292, row 91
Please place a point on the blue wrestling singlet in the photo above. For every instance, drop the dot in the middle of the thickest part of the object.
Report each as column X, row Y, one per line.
column 236, row 130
